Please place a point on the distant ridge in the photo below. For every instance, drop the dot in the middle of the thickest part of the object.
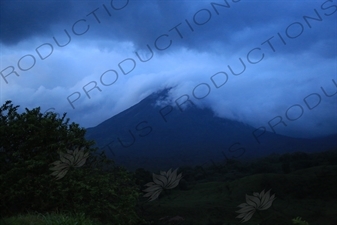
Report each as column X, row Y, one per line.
column 139, row 137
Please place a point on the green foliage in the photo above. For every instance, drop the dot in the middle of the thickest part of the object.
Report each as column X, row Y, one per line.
column 49, row 219
column 29, row 143
column 107, row 196
column 299, row 221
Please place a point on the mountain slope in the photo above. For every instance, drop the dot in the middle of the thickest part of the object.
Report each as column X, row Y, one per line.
column 161, row 137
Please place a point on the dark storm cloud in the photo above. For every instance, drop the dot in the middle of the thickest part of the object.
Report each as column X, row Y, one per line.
column 138, row 21
column 141, row 22
column 228, row 23
column 24, row 19
column 251, row 23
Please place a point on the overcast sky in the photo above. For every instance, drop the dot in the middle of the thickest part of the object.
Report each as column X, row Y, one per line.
column 288, row 49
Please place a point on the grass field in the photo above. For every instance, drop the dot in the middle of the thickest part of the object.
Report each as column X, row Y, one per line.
column 49, row 219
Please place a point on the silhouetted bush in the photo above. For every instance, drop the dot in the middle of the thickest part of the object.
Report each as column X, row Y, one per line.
column 29, row 143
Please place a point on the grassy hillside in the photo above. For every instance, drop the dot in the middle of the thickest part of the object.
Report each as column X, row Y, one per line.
column 304, row 186
column 309, row 193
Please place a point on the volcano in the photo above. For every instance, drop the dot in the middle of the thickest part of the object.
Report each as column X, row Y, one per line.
column 155, row 137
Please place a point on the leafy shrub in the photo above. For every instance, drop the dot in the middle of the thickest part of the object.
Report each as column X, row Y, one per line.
column 108, row 196
column 29, row 143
